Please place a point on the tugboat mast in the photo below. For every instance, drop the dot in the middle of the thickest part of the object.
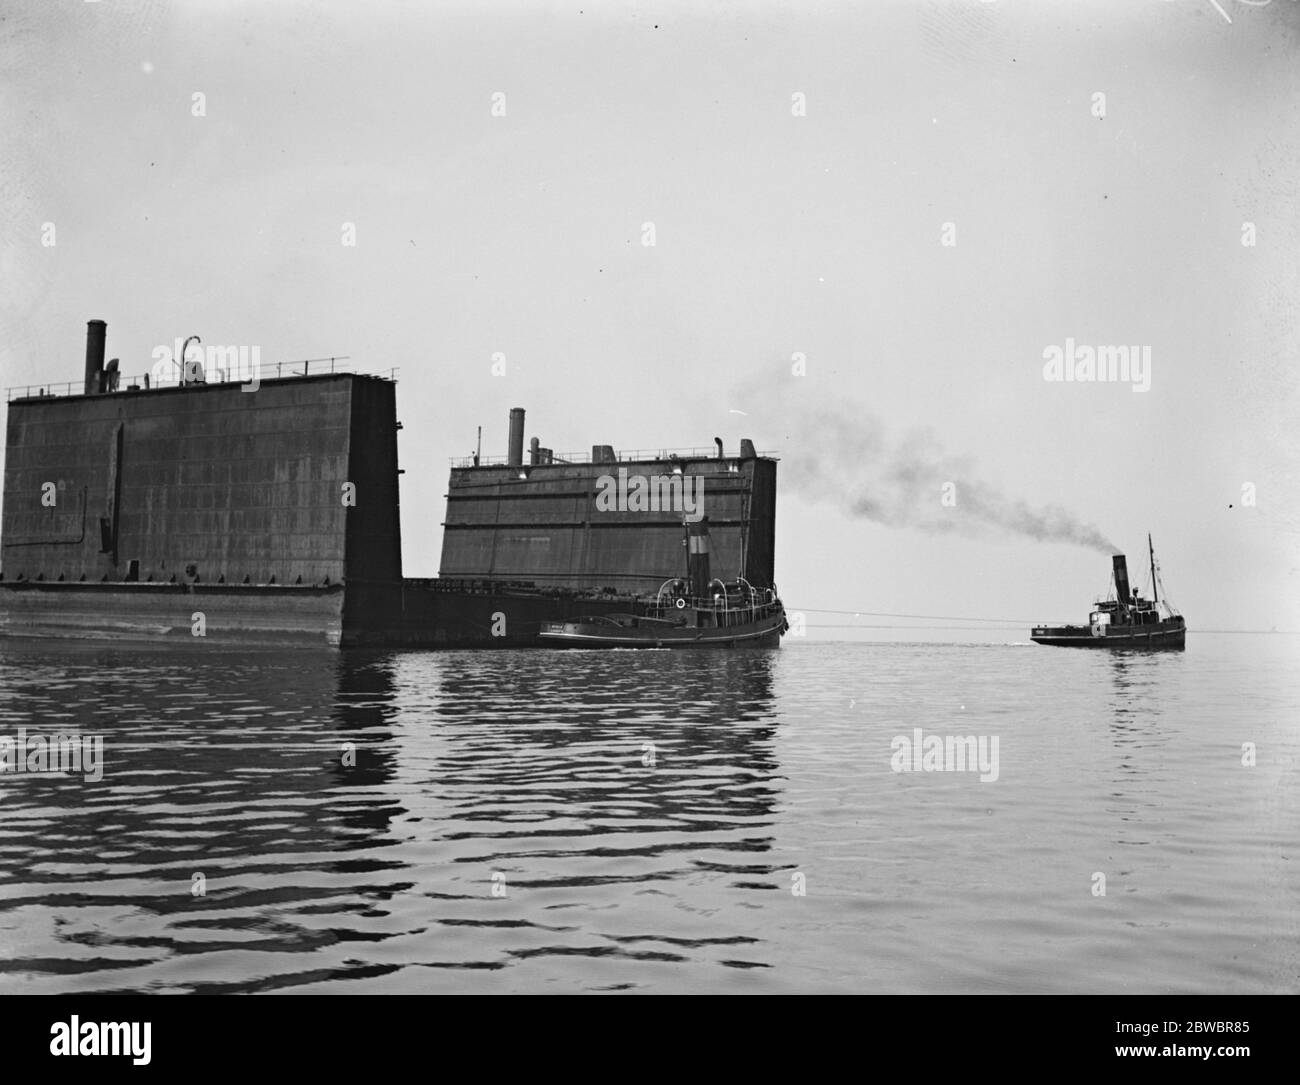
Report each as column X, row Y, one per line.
column 1155, row 590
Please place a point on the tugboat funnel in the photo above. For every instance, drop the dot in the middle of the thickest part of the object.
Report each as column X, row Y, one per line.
column 1121, row 580
column 697, row 557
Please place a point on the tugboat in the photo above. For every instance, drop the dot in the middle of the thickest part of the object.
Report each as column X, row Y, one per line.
column 1124, row 619
column 698, row 611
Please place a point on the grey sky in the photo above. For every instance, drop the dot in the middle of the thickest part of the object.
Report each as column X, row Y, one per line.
column 774, row 234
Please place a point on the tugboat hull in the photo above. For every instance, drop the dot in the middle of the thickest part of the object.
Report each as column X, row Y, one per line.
column 1081, row 636
column 620, row 632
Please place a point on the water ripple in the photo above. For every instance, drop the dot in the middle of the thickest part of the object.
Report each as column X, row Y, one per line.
column 657, row 821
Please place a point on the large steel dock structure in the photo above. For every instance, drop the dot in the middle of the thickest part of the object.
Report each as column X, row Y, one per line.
column 268, row 511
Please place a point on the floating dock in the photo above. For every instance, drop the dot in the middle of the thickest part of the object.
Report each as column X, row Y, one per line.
column 269, row 511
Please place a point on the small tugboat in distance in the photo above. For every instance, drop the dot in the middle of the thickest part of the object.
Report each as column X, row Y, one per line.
column 699, row 611
column 1124, row 621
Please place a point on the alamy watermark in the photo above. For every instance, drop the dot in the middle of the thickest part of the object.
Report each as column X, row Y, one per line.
column 651, row 493
column 114, row 1038
column 198, row 363
column 58, row 753
column 1120, row 365
column 946, row 753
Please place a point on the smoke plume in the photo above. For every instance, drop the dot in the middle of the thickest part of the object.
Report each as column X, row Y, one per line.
column 849, row 459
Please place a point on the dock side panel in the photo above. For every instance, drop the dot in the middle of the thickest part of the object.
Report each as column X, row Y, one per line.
column 548, row 524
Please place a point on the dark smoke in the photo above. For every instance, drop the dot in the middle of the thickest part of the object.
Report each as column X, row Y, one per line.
column 847, row 458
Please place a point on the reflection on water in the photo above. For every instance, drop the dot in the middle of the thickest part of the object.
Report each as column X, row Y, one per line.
column 565, row 821
column 1139, row 734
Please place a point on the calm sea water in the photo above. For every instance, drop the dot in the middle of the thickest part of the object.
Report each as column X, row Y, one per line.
column 654, row 821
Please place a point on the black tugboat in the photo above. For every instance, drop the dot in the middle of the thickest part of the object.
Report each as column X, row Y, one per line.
column 699, row 611
column 1124, row 619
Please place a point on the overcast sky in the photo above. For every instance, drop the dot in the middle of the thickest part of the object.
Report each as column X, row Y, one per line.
column 1098, row 164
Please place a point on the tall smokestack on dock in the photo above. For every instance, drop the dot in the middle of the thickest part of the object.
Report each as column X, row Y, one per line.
column 515, row 449
column 1121, row 579
column 96, row 330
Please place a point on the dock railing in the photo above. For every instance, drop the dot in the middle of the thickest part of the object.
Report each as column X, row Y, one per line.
column 160, row 377
column 626, row 455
